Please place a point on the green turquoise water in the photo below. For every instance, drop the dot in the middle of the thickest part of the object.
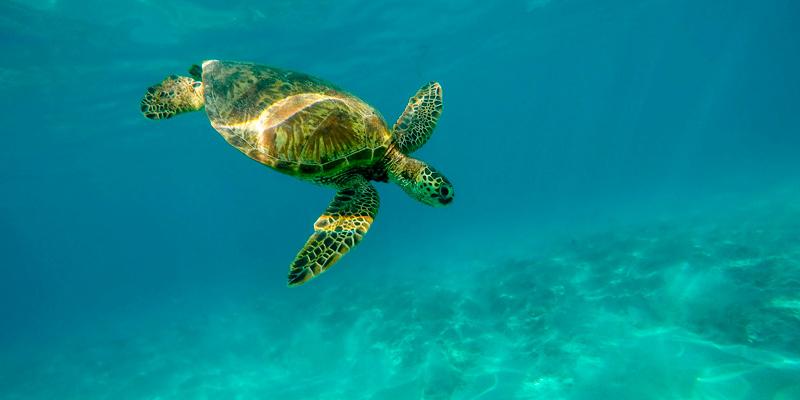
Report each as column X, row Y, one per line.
column 625, row 226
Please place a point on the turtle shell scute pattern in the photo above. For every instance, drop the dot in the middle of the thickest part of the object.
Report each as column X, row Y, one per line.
column 299, row 125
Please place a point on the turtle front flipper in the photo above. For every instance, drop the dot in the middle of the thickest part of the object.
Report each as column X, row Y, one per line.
column 416, row 124
column 338, row 229
column 174, row 95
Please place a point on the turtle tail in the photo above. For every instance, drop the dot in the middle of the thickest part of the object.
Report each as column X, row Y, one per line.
column 174, row 95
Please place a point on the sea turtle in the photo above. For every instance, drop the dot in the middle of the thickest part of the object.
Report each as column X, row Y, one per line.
column 310, row 129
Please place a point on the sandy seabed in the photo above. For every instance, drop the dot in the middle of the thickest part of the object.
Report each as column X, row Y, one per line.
column 701, row 308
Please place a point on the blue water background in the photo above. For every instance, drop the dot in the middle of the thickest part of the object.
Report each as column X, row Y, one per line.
column 625, row 221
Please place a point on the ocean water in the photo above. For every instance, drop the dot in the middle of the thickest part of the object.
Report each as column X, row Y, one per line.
column 626, row 222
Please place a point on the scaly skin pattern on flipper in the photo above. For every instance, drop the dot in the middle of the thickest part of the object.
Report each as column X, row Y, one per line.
column 415, row 126
column 340, row 228
column 174, row 95
column 295, row 123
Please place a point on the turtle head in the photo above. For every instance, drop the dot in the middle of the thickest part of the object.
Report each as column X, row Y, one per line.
column 174, row 95
column 421, row 181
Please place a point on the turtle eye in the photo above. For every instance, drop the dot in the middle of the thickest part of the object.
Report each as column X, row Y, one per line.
column 445, row 194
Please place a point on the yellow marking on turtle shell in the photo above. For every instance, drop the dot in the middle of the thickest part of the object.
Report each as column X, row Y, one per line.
column 276, row 114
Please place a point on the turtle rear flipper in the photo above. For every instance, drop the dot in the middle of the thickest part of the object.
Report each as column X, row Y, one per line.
column 174, row 95
column 415, row 125
column 338, row 229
